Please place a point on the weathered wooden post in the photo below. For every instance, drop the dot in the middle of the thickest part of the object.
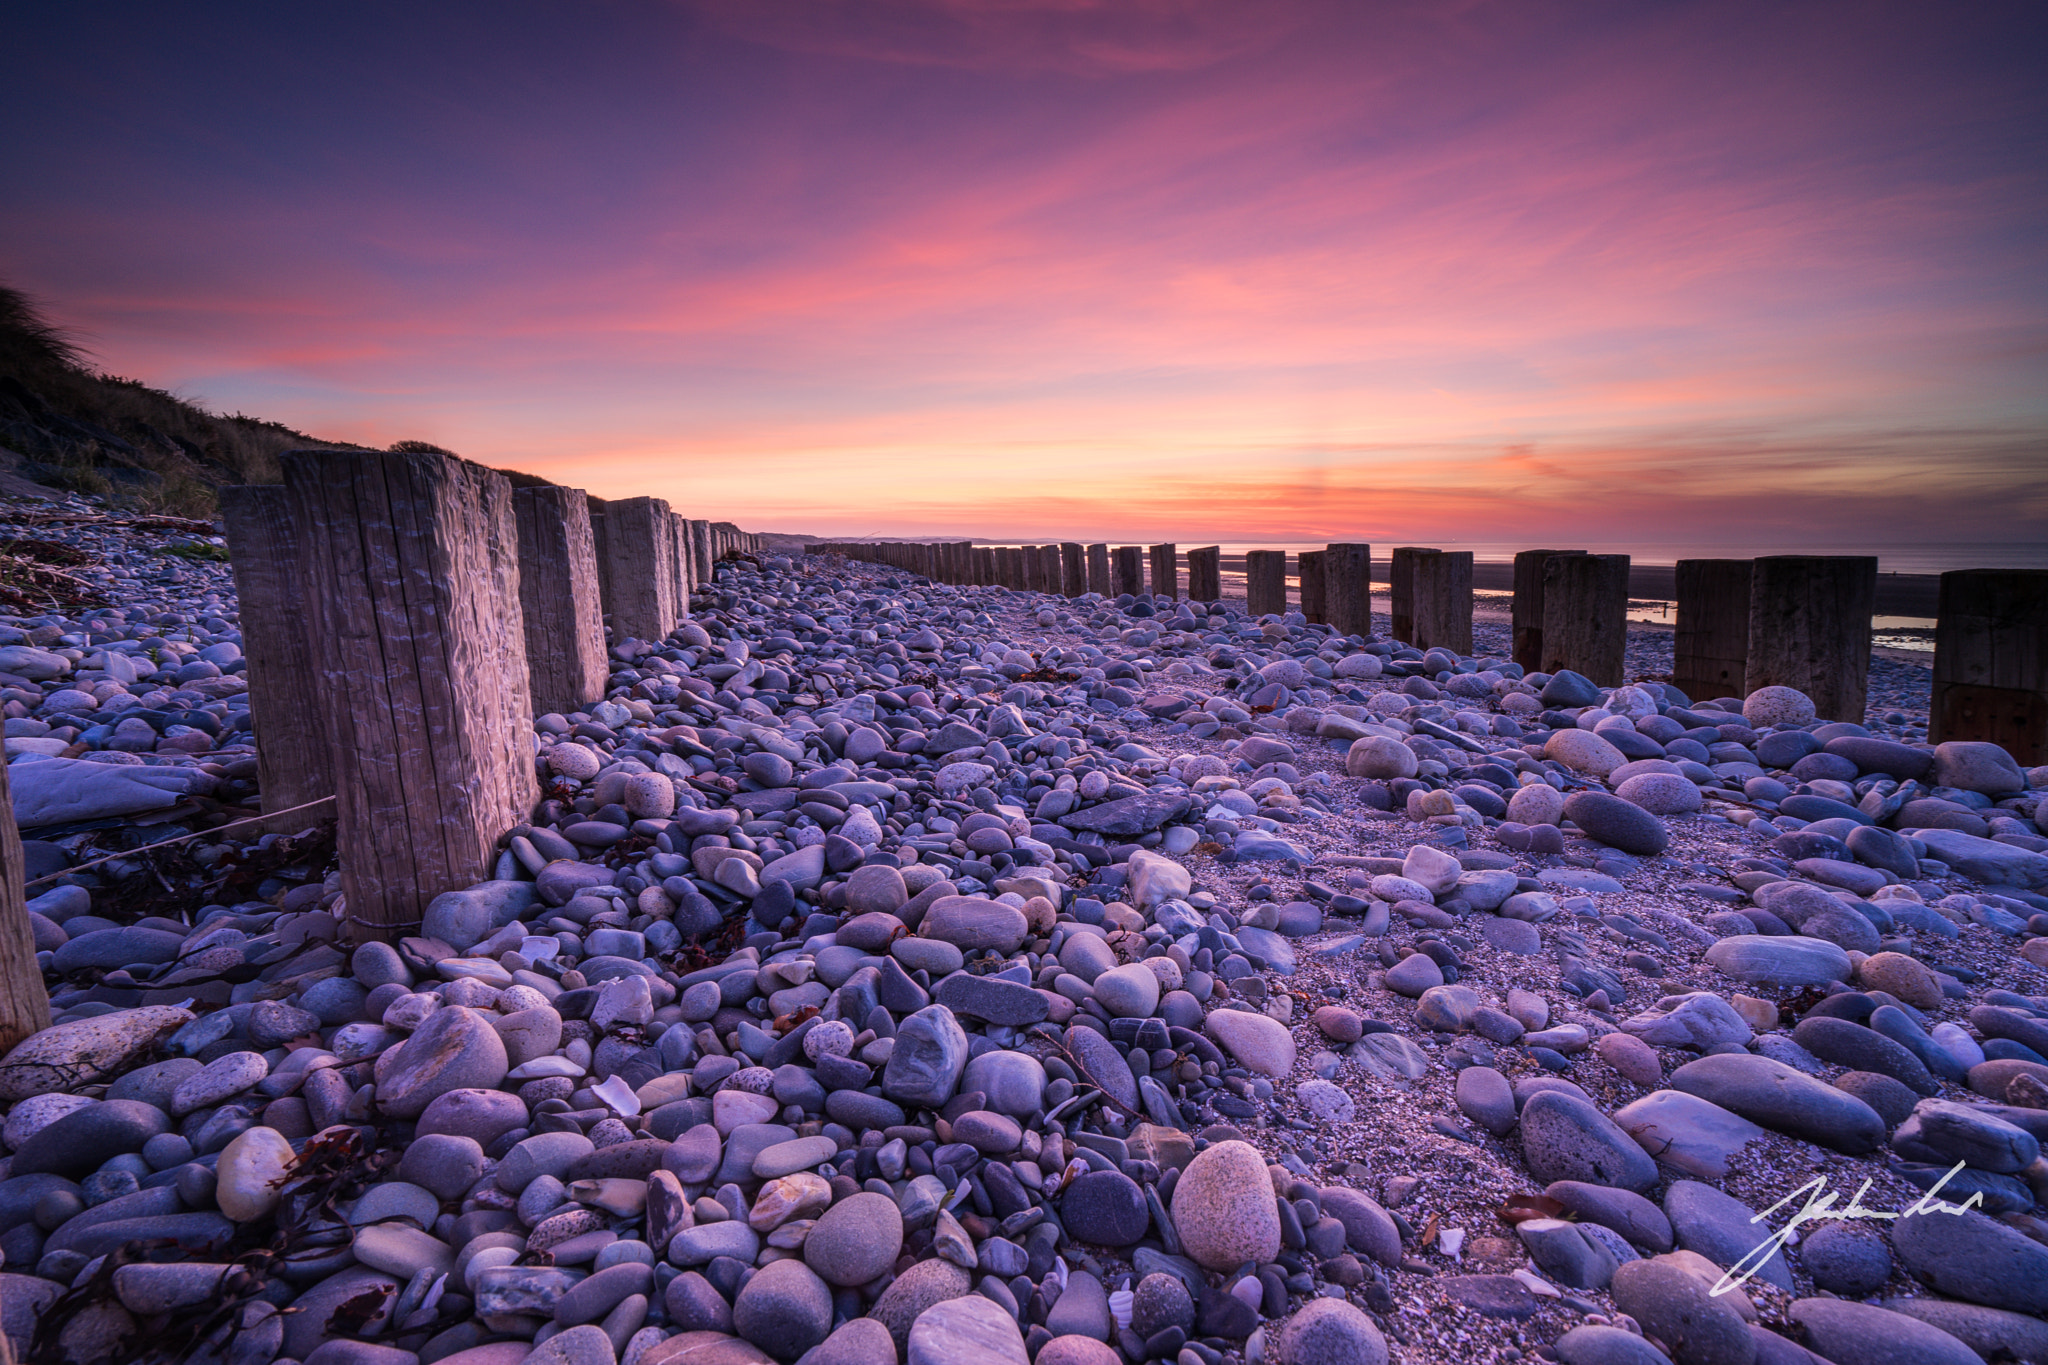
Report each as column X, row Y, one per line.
column 987, row 572
column 1809, row 628
column 1073, row 568
column 1098, row 570
column 1205, row 574
column 1130, row 570
column 293, row 765
column 1710, row 647
column 700, row 545
column 1048, row 568
column 685, row 566
column 411, row 572
column 1265, row 582
column 1585, row 616
column 1401, row 586
column 1165, row 571
column 1527, row 638
column 636, row 574
column 1010, row 562
column 559, row 598
column 24, row 1002
column 1991, row 661
column 1347, row 588
column 1315, row 587
column 1442, row 585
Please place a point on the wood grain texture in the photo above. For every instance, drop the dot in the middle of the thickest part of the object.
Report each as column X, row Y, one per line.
column 1165, row 571
column 1991, row 661
column 637, row 572
column 1442, row 603
column 1315, row 587
column 1073, row 568
column 560, row 599
column 411, row 573
column 1265, row 582
column 1205, row 574
column 1130, row 570
column 293, row 763
column 1809, row 628
column 1710, row 646
column 1585, row 616
column 24, row 1002
column 1527, row 614
column 1099, row 580
column 1347, row 588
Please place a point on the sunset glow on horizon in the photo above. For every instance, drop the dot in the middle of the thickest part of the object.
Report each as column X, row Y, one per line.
column 1719, row 274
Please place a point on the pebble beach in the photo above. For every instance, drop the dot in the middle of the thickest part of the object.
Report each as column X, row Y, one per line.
column 905, row 972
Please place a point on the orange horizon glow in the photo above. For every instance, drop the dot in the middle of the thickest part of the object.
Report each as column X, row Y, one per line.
column 1055, row 269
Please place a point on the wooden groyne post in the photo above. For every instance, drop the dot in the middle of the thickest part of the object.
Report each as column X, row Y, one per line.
column 293, row 766
column 1710, row 645
column 1991, row 661
column 1527, row 639
column 411, row 569
column 1130, row 570
column 1585, row 616
column 1165, row 571
column 1205, row 574
column 1315, row 587
column 1265, row 582
column 1432, row 597
column 1347, row 587
column 24, row 1001
column 1073, row 568
column 559, row 599
column 1809, row 628
column 1098, row 570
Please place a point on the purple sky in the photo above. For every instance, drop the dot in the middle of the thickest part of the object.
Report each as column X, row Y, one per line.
column 1711, row 274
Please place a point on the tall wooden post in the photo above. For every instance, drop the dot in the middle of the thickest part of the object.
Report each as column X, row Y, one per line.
column 700, row 547
column 1051, row 578
column 24, row 1003
column 1809, row 628
column 1205, row 574
column 558, row 596
column 1098, row 570
column 1442, row 585
column 1710, row 647
column 988, row 572
column 1585, row 616
column 1401, row 583
column 686, row 563
column 411, row 573
column 1130, row 570
column 635, row 574
column 1265, row 582
column 1165, row 571
column 293, row 765
column 1073, row 568
column 1528, row 608
column 1347, row 588
column 1991, row 661
column 1315, row 587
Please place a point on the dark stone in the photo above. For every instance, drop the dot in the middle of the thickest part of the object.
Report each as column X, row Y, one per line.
column 1105, row 1208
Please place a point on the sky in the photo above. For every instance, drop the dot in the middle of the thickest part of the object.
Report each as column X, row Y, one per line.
column 1718, row 274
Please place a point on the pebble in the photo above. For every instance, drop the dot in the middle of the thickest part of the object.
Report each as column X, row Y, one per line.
column 1070, row 938
column 1223, row 1207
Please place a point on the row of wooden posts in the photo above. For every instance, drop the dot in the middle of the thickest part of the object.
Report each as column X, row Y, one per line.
column 406, row 616
column 1802, row 621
